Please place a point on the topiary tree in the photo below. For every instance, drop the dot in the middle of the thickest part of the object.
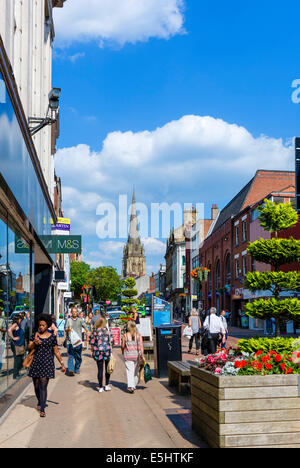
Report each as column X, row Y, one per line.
column 129, row 292
column 275, row 252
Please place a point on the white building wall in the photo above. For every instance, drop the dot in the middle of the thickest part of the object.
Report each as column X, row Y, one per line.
column 27, row 39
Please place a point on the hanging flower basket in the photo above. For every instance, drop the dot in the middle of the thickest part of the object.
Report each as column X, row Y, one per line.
column 200, row 273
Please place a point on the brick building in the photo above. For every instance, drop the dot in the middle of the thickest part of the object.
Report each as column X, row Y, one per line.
column 224, row 250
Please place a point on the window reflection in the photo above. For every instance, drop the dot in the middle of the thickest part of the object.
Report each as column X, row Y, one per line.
column 15, row 303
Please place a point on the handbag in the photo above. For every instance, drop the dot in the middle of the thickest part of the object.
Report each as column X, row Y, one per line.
column 112, row 364
column 27, row 363
column 20, row 350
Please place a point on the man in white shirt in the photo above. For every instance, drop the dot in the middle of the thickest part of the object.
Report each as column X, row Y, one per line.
column 214, row 326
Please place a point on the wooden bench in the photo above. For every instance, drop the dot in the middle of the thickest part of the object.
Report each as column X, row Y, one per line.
column 180, row 375
column 148, row 350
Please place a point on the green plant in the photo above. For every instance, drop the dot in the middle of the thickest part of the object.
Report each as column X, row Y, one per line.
column 279, row 344
column 275, row 252
column 129, row 292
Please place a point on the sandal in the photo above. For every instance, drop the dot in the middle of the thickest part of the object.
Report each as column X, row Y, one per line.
column 42, row 414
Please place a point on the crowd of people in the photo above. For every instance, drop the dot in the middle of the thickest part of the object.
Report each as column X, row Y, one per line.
column 77, row 331
column 208, row 331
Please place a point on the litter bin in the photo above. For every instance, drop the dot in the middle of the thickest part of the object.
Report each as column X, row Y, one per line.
column 167, row 347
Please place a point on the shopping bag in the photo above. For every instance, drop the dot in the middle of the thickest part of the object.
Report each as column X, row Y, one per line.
column 111, row 365
column 188, row 332
column 147, row 373
column 75, row 340
column 142, row 374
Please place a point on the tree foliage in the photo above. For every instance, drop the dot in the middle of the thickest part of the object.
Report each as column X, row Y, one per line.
column 275, row 252
column 129, row 292
column 79, row 276
column 277, row 217
column 107, row 283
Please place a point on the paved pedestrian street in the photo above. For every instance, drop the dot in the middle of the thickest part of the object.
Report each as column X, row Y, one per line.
column 79, row 416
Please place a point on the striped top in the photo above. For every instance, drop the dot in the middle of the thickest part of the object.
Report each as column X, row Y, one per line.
column 132, row 348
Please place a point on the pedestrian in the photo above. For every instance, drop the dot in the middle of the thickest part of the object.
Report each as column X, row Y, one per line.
column 101, row 348
column 224, row 321
column 53, row 329
column 195, row 325
column 74, row 352
column 61, row 324
column 88, row 321
column 17, row 335
column 42, row 369
column 213, row 327
column 136, row 316
column 95, row 319
column 3, row 329
column 133, row 352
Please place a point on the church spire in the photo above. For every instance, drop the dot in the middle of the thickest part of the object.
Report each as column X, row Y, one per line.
column 134, row 224
column 134, row 261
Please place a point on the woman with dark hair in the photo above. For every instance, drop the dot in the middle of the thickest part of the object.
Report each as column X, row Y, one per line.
column 42, row 368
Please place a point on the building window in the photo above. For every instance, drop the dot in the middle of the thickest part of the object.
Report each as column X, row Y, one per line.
column 244, row 231
column 183, row 260
column 237, row 272
column 253, row 264
column 244, row 265
column 237, row 235
column 218, row 275
column 228, row 270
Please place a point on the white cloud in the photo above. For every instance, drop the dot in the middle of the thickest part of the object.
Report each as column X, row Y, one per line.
column 191, row 160
column 195, row 152
column 154, row 246
column 118, row 21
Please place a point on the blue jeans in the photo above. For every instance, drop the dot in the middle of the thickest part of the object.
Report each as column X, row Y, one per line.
column 75, row 358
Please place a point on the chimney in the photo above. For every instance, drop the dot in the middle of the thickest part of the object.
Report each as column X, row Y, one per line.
column 214, row 211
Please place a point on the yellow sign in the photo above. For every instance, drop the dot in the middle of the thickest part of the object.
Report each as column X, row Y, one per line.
column 62, row 221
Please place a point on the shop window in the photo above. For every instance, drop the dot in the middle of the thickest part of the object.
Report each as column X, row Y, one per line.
column 15, row 299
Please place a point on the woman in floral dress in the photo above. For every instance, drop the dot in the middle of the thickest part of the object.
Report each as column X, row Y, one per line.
column 100, row 341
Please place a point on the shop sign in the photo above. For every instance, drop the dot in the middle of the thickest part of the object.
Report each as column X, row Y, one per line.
column 161, row 311
column 62, row 286
column 68, row 295
column 145, row 328
column 116, row 333
column 53, row 245
column 239, row 292
column 63, row 225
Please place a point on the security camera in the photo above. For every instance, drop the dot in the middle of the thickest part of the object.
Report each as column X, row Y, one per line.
column 54, row 96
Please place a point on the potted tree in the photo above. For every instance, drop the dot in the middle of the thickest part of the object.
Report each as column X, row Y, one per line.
column 252, row 399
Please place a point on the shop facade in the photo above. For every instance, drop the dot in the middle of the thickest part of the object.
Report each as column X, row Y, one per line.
column 26, row 210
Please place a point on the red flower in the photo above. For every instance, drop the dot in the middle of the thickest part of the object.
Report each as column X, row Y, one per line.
column 278, row 358
column 288, row 371
column 282, row 365
column 268, row 366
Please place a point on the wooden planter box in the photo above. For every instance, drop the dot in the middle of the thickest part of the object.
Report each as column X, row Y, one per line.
column 246, row 411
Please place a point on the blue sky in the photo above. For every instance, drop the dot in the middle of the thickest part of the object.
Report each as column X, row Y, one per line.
column 184, row 99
